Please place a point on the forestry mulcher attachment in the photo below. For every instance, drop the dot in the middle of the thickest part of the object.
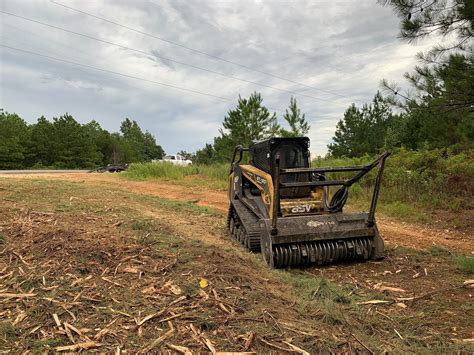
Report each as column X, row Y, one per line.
column 282, row 207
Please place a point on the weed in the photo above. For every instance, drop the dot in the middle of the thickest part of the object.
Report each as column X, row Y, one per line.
column 7, row 331
column 178, row 206
column 29, row 284
column 438, row 251
column 3, row 239
column 465, row 263
column 45, row 343
column 141, row 224
column 211, row 175
column 63, row 207
column 404, row 211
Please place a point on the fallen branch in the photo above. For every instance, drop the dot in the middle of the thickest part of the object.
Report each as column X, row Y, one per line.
column 158, row 341
column 249, row 341
column 151, row 316
column 16, row 295
column 361, row 343
column 179, row 349
column 112, row 282
column 86, row 345
column 209, row 344
column 297, row 349
column 273, row 345
column 374, row 302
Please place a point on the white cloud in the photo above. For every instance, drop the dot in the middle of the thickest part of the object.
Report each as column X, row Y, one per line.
column 341, row 47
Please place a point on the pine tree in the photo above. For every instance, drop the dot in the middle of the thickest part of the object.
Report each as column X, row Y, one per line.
column 298, row 125
column 421, row 19
column 363, row 131
column 14, row 134
column 249, row 121
column 143, row 144
column 205, row 155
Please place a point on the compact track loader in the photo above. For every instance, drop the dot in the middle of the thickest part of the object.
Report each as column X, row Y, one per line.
column 282, row 207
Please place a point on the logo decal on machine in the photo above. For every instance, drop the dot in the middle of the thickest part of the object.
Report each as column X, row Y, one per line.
column 319, row 224
column 301, row 209
column 261, row 180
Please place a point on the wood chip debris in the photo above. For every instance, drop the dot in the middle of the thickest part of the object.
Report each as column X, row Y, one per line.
column 375, row 302
column 180, row 349
column 380, row 287
column 158, row 341
column 16, row 295
column 85, row 345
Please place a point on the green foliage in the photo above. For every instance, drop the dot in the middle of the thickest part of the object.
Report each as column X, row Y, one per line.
column 187, row 155
column 421, row 19
column 415, row 182
column 440, row 114
column 299, row 127
column 205, row 155
column 143, row 144
column 216, row 174
column 363, row 131
column 465, row 263
column 14, row 133
column 249, row 121
column 65, row 143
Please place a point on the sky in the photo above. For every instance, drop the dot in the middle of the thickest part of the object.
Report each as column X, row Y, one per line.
column 327, row 54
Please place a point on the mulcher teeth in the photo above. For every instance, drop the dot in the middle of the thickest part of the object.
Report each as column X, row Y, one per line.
column 321, row 252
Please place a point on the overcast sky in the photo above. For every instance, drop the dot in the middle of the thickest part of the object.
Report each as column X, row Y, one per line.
column 338, row 50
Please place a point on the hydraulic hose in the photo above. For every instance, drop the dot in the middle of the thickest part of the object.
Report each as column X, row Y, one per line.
column 338, row 200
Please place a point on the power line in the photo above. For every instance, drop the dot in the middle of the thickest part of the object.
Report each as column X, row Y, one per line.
column 158, row 56
column 116, row 73
column 126, row 75
column 196, row 50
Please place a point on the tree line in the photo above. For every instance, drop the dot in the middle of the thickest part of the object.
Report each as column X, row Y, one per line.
column 438, row 111
column 66, row 143
column 250, row 121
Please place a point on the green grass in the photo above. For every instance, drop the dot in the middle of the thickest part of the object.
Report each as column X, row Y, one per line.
column 7, row 331
column 212, row 175
column 414, row 183
column 177, row 206
column 465, row 263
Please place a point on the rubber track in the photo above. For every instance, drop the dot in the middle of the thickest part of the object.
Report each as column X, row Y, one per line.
column 248, row 233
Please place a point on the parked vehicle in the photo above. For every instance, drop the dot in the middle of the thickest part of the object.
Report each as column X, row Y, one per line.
column 175, row 159
column 111, row 168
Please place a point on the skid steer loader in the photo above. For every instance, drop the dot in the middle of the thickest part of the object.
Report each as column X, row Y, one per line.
column 282, row 207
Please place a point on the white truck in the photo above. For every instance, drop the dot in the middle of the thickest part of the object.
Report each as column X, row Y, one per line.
column 174, row 159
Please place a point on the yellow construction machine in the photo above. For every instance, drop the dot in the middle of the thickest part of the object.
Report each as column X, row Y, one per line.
column 282, row 207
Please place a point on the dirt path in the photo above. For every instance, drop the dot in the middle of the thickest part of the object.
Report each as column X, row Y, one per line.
column 393, row 232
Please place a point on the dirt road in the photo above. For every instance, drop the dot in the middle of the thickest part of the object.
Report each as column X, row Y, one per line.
column 393, row 232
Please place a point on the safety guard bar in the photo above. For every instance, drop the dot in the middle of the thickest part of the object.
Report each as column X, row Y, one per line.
column 346, row 183
column 238, row 149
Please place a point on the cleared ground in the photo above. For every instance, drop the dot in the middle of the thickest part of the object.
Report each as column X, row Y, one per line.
column 94, row 261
